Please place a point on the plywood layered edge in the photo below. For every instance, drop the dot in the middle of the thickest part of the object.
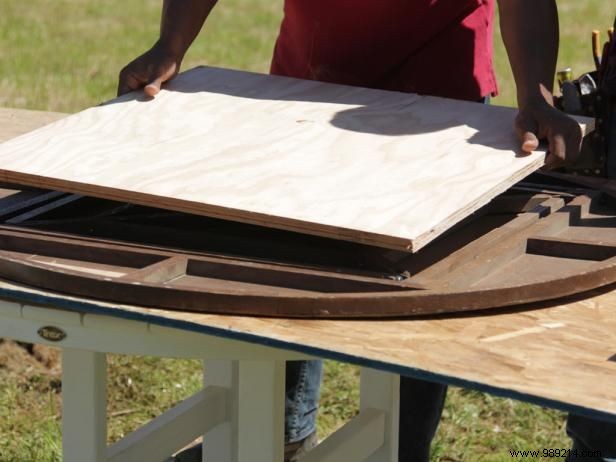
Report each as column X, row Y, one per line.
column 224, row 213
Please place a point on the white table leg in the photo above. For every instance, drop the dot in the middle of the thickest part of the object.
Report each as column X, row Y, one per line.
column 381, row 391
column 372, row 435
column 255, row 431
column 84, row 406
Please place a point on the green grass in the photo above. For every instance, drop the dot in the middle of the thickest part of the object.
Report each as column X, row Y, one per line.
column 475, row 426
column 138, row 390
column 64, row 55
column 577, row 20
column 142, row 388
column 30, row 428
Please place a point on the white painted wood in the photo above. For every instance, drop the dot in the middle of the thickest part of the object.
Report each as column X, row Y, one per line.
column 261, row 411
column 384, row 168
column 219, row 443
column 174, row 429
column 11, row 309
column 371, row 436
column 381, row 390
column 113, row 335
column 84, row 406
column 255, row 430
column 211, row 346
column 259, row 393
column 356, row 441
column 64, row 317
column 113, row 324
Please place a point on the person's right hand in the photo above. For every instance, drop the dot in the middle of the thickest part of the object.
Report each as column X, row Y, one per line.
column 149, row 71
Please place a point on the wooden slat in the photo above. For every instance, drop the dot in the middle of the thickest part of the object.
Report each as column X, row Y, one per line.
column 383, row 168
column 570, row 248
column 502, row 274
column 511, row 261
column 356, row 440
column 174, row 429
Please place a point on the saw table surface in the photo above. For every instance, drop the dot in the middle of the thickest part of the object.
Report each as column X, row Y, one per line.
column 560, row 354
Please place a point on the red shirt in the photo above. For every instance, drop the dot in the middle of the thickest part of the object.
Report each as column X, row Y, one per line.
column 435, row 47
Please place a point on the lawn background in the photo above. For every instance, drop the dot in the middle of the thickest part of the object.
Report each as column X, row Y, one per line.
column 64, row 55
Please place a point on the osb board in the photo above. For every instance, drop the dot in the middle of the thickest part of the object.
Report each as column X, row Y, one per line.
column 559, row 355
column 384, row 168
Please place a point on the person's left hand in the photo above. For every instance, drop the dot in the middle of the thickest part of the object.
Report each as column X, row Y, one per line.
column 538, row 120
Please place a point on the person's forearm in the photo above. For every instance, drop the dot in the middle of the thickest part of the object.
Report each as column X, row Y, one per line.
column 530, row 33
column 180, row 23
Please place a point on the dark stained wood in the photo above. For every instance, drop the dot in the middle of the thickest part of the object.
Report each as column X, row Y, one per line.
column 517, row 250
column 570, row 248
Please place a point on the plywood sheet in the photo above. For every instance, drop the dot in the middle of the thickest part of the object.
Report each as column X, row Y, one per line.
column 384, row 168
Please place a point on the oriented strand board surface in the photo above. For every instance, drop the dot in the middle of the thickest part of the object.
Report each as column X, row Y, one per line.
column 518, row 351
column 520, row 354
column 383, row 168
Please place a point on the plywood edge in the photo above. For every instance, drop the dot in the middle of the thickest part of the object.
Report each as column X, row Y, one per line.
column 197, row 208
column 425, row 238
column 587, row 125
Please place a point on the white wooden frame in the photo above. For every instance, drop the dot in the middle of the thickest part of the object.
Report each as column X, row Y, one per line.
column 239, row 411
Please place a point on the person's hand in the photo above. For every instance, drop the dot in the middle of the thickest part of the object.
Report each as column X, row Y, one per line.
column 539, row 120
column 149, row 71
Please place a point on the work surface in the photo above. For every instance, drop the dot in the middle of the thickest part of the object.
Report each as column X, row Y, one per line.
column 560, row 355
column 382, row 168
